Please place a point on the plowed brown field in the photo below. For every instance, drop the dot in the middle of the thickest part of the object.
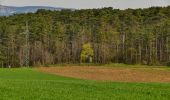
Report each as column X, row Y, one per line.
column 112, row 73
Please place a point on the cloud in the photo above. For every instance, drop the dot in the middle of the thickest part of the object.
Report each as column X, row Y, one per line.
column 122, row 4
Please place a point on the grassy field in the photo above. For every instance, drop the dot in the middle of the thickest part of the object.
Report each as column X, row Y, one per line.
column 30, row 84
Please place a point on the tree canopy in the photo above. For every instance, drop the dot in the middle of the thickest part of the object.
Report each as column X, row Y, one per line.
column 133, row 36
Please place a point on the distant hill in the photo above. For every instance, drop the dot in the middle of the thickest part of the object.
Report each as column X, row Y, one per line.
column 10, row 10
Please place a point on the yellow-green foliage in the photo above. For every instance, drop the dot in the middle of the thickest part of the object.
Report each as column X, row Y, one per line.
column 87, row 51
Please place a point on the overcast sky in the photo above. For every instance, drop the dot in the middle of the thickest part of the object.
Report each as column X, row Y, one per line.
column 122, row 4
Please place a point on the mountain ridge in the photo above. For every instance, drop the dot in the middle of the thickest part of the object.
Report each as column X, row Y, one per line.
column 10, row 10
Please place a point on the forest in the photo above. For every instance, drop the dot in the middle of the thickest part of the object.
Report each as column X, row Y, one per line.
column 107, row 35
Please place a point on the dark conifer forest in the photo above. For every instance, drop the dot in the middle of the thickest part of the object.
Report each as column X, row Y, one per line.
column 131, row 36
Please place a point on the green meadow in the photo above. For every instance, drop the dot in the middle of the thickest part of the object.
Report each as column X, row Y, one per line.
column 31, row 84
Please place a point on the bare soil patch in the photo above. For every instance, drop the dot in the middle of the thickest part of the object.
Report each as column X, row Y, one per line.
column 112, row 74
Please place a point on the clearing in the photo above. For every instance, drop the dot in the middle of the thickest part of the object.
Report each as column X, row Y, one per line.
column 32, row 84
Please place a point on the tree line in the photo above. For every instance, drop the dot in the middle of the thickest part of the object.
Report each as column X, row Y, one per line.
column 131, row 36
